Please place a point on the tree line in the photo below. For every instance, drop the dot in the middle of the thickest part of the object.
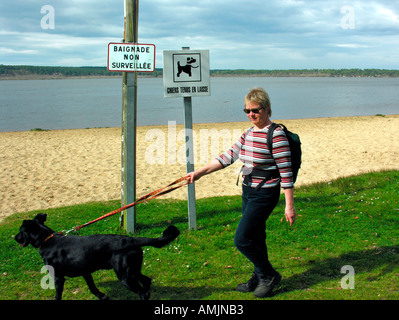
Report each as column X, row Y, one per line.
column 309, row 73
column 11, row 71
column 63, row 72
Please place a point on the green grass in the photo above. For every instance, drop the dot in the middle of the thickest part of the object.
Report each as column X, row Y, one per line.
column 350, row 221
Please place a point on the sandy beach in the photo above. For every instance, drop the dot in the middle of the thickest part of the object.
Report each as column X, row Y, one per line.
column 48, row 169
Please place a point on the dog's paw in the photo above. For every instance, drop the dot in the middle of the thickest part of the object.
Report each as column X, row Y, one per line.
column 145, row 295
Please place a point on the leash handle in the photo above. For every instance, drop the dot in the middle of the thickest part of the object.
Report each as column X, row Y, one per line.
column 145, row 198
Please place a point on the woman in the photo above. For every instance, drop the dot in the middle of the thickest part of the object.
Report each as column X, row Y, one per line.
column 263, row 174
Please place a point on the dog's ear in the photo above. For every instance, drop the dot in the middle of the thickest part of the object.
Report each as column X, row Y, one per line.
column 41, row 218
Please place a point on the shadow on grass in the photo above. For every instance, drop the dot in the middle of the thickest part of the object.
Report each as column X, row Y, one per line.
column 116, row 291
column 386, row 258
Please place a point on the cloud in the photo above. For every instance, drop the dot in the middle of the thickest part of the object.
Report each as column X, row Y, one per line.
column 253, row 34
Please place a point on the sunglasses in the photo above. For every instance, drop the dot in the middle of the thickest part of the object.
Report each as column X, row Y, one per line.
column 247, row 111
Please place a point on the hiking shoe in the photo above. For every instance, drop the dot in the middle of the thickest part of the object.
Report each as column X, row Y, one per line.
column 250, row 285
column 266, row 285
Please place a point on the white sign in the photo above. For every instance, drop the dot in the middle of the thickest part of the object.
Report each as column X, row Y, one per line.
column 129, row 57
column 186, row 73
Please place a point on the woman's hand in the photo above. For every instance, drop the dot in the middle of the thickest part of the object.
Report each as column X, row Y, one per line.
column 191, row 177
column 212, row 166
column 290, row 215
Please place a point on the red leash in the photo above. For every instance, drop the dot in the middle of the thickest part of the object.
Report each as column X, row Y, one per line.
column 150, row 196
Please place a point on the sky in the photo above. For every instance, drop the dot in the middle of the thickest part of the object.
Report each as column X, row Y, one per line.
column 250, row 34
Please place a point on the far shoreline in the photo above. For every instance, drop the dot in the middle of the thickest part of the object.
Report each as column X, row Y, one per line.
column 201, row 124
column 204, row 123
column 60, row 77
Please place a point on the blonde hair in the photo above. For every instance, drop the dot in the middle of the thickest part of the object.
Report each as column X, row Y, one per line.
column 259, row 95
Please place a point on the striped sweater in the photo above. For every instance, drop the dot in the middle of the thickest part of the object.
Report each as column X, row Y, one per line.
column 252, row 150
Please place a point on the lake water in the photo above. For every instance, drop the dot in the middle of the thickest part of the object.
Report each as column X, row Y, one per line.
column 86, row 103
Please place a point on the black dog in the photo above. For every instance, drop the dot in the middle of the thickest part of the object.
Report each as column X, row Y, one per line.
column 187, row 67
column 74, row 256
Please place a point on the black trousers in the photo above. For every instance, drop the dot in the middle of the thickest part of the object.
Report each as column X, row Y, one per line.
column 250, row 237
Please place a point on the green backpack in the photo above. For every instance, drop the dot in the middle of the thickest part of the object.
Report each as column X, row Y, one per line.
column 295, row 146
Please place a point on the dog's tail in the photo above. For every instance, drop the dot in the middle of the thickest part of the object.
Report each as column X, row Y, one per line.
column 168, row 236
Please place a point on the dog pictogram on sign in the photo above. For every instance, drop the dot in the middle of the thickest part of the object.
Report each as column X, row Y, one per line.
column 187, row 67
column 186, row 73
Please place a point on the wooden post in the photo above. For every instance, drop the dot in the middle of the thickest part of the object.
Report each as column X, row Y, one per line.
column 188, row 127
column 129, row 122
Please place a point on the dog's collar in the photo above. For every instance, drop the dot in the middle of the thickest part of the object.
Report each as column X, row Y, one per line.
column 48, row 238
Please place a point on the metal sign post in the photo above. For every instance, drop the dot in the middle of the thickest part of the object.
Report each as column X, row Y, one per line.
column 186, row 74
column 188, row 128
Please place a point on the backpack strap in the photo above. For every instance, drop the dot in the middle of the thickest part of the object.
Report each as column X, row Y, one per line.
column 270, row 136
column 267, row 175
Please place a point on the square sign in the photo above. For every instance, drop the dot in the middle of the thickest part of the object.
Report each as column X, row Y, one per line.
column 131, row 57
column 186, row 73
